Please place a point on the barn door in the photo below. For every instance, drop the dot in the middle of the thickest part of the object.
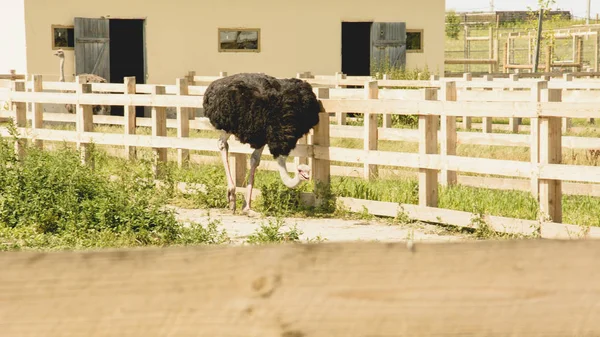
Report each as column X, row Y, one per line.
column 388, row 44
column 92, row 53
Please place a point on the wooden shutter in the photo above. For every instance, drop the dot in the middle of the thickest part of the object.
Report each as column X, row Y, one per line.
column 92, row 48
column 388, row 41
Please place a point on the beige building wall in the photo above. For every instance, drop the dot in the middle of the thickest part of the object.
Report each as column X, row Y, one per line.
column 181, row 35
column 12, row 39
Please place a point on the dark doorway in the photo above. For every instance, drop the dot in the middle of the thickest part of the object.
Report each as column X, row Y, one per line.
column 356, row 48
column 127, row 55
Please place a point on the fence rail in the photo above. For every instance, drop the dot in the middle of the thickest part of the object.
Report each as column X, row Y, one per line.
column 437, row 110
column 501, row 288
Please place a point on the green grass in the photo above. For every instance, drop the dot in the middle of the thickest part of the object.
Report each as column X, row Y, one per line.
column 50, row 200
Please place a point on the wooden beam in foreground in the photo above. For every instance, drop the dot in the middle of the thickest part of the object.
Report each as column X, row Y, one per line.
column 499, row 288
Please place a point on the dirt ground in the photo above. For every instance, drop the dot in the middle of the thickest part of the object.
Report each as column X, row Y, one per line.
column 239, row 227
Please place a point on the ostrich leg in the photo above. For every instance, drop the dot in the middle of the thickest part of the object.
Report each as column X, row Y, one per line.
column 254, row 162
column 224, row 148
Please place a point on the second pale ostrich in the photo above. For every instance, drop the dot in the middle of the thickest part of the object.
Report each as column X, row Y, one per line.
column 89, row 78
column 261, row 110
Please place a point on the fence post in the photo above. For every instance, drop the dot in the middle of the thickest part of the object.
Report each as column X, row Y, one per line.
column 486, row 122
column 130, row 117
column 190, row 82
column 321, row 166
column 302, row 160
column 428, row 144
column 340, row 116
column 84, row 119
column 190, row 77
column 20, row 109
column 239, row 166
column 37, row 109
column 491, row 48
column 548, row 59
column 183, row 123
column 513, row 122
column 370, row 129
column 159, row 129
column 551, row 153
column 305, row 139
column 566, row 121
column 466, row 120
column 534, row 149
column 239, row 161
column 448, row 132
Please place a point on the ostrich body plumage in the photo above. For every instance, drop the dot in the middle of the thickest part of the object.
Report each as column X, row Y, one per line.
column 261, row 110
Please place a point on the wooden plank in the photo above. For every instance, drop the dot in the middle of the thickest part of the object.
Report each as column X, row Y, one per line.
column 108, row 99
column 340, row 289
column 371, row 92
column 37, row 109
column 345, row 131
column 486, row 96
column 448, row 135
column 550, row 153
column 571, row 109
column 486, row 122
column 513, row 122
column 510, row 168
column 20, row 119
column 470, row 61
column 549, row 230
column 437, row 108
column 534, row 132
column 428, row 144
column 197, row 144
column 321, row 166
column 159, row 129
column 466, row 120
column 84, row 121
column 570, row 172
column 129, row 116
column 183, row 123
column 391, row 106
column 120, row 88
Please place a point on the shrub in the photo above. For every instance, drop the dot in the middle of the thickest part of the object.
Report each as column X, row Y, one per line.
column 50, row 200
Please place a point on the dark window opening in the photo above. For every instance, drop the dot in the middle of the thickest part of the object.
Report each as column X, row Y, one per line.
column 127, row 55
column 239, row 40
column 414, row 40
column 63, row 37
column 356, row 48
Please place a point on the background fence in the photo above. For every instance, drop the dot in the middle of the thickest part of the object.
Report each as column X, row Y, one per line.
column 545, row 104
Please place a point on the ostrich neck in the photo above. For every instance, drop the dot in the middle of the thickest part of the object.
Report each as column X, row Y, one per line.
column 285, row 177
column 62, row 69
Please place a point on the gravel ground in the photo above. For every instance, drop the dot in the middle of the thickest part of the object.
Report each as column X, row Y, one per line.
column 239, row 227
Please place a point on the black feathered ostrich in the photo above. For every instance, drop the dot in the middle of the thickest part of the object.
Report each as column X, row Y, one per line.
column 261, row 110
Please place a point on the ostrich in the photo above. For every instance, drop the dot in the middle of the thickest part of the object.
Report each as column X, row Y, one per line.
column 89, row 78
column 261, row 110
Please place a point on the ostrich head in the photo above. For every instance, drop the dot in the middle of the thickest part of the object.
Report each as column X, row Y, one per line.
column 60, row 53
column 303, row 171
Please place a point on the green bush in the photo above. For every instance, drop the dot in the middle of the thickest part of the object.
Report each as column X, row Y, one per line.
column 452, row 25
column 51, row 200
